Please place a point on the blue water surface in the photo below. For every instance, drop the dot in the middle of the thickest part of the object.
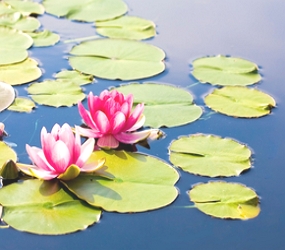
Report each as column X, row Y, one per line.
column 251, row 29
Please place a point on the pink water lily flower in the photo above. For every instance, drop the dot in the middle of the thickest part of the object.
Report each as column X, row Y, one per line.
column 111, row 119
column 62, row 155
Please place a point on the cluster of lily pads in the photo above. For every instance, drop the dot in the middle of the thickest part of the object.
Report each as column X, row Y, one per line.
column 67, row 192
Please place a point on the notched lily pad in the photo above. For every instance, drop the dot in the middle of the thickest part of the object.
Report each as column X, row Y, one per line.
column 25, row 7
column 44, row 38
column 210, row 155
column 117, row 59
column 225, row 200
column 75, row 77
column 22, row 104
column 165, row 105
column 221, row 70
column 56, row 93
column 130, row 182
column 240, row 101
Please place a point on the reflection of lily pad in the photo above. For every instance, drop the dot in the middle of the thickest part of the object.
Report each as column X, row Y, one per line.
column 7, row 95
column 6, row 154
column 222, row 70
column 225, row 200
column 56, row 93
column 127, row 27
column 53, row 210
column 240, row 102
column 133, row 183
column 19, row 73
column 165, row 105
column 44, row 38
column 210, row 155
column 22, row 104
column 86, row 10
column 74, row 76
column 117, row 59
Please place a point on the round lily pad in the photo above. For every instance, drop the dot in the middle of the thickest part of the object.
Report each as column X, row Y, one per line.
column 7, row 153
column 224, row 71
column 7, row 95
column 19, row 22
column 117, row 59
column 225, row 200
column 165, row 105
column 210, row 155
column 130, row 182
column 53, row 210
column 86, row 10
column 25, row 7
column 127, row 27
column 22, row 104
column 240, row 101
column 44, row 38
column 74, row 76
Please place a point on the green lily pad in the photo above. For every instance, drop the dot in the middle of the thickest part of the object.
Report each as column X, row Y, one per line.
column 225, row 200
column 25, row 7
column 165, row 105
column 210, row 155
column 130, row 182
column 86, row 10
column 14, row 39
column 240, row 101
column 127, row 27
column 56, row 93
column 74, row 76
column 19, row 73
column 7, row 95
column 44, row 38
column 224, row 71
column 117, row 59
column 53, row 210
column 22, row 104
column 6, row 154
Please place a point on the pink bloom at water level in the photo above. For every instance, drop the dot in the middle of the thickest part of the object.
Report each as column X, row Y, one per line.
column 111, row 119
column 62, row 155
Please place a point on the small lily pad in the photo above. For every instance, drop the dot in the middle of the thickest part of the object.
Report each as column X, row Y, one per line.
column 130, row 182
column 225, row 200
column 127, row 27
column 117, row 59
column 22, row 104
column 44, row 38
column 74, row 76
column 6, row 154
column 165, row 105
column 25, row 7
column 56, row 93
column 53, row 210
column 210, row 155
column 240, row 101
column 7, row 95
column 221, row 70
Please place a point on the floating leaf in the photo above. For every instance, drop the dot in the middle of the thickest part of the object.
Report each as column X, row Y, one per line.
column 7, row 95
column 44, row 38
column 165, row 105
column 6, row 153
column 25, row 7
column 117, row 59
column 53, row 210
column 56, row 93
column 130, row 182
column 12, row 55
column 240, row 101
column 225, row 200
column 210, row 155
column 127, row 27
column 222, row 70
column 86, row 10
column 74, row 76
column 19, row 73
column 22, row 104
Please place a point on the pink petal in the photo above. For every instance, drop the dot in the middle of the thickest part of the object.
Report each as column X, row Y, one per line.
column 86, row 117
column 86, row 132
column 118, row 122
column 55, row 130
column 107, row 141
column 66, row 135
column 86, row 151
column 102, row 122
column 138, row 124
column 131, row 121
column 130, row 138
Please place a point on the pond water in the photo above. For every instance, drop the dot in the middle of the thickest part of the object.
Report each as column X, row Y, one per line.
column 187, row 30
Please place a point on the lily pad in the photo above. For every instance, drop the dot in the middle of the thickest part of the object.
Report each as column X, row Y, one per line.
column 117, row 59
column 19, row 73
column 127, row 27
column 74, row 76
column 7, row 95
column 240, row 101
column 224, row 71
column 86, row 10
column 44, row 38
column 6, row 154
column 165, row 105
column 53, row 210
column 225, row 200
column 210, row 155
column 56, row 93
column 25, row 7
column 130, row 182
column 22, row 104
